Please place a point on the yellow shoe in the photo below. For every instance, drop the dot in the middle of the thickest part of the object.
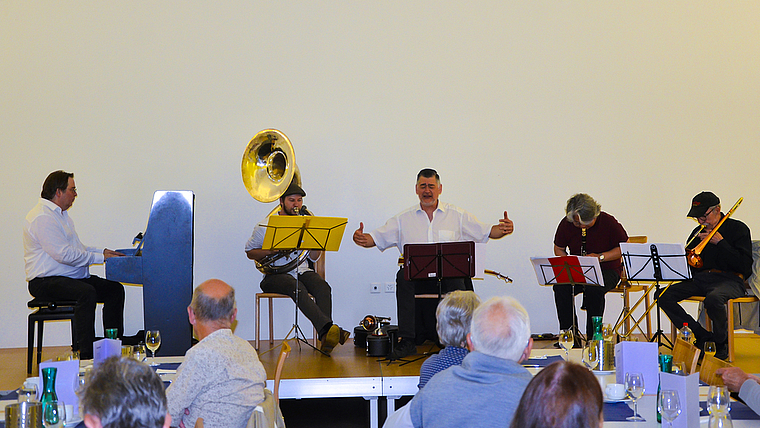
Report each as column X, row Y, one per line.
column 331, row 339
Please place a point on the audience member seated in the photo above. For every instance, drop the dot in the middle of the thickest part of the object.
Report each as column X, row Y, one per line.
column 453, row 319
column 221, row 379
column 747, row 385
column 487, row 387
column 124, row 393
column 563, row 395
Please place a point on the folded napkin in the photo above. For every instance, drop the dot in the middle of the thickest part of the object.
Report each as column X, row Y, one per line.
column 542, row 362
column 9, row 395
column 738, row 411
column 167, row 366
column 617, row 412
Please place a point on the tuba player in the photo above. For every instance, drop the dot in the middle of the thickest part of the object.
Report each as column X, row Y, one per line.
column 319, row 310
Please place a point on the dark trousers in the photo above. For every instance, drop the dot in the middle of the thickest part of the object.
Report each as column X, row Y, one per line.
column 593, row 299
column 87, row 292
column 405, row 302
column 319, row 310
column 717, row 288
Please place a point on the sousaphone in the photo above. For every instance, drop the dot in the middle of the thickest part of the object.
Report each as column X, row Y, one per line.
column 268, row 168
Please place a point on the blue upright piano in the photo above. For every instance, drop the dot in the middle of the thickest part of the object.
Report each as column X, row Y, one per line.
column 163, row 263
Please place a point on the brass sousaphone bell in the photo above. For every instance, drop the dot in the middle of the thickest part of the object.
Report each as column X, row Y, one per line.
column 268, row 168
column 269, row 165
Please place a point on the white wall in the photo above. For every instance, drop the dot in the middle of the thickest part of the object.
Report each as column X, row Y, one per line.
column 518, row 104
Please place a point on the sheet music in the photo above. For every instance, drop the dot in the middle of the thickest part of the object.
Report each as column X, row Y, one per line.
column 638, row 261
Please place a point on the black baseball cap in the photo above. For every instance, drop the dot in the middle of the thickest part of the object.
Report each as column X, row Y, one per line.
column 701, row 203
column 293, row 189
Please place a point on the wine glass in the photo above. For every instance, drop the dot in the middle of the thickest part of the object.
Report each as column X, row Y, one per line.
column 634, row 384
column 590, row 357
column 566, row 341
column 718, row 399
column 670, row 405
column 710, row 348
column 153, row 341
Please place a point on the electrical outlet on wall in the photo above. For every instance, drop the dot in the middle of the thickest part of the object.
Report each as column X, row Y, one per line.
column 374, row 287
column 390, row 287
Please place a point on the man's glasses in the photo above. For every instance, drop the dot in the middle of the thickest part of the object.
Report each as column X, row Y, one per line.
column 708, row 212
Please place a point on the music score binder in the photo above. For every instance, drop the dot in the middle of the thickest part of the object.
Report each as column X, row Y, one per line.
column 439, row 260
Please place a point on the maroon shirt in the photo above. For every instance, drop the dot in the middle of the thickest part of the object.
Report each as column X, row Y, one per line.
column 605, row 235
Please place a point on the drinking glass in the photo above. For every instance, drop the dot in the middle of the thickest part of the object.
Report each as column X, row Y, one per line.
column 670, row 405
column 710, row 348
column 139, row 352
column 634, row 384
column 718, row 399
column 720, row 420
column 608, row 332
column 566, row 341
column 27, row 392
column 53, row 414
column 153, row 341
column 590, row 357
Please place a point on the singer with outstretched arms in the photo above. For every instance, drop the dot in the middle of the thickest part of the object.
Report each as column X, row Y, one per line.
column 725, row 255
column 429, row 221
column 284, row 267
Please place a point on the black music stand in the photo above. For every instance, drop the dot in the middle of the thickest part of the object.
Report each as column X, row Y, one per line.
column 644, row 262
column 297, row 233
column 439, row 261
column 569, row 271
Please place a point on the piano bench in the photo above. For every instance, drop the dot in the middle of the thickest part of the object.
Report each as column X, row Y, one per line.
column 47, row 311
column 271, row 296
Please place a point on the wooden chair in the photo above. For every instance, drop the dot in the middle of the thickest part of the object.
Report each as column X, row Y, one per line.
column 686, row 353
column 319, row 268
column 267, row 414
column 625, row 288
column 730, row 315
column 284, row 352
column 707, row 370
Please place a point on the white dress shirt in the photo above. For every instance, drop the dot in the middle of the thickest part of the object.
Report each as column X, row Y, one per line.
column 52, row 247
column 412, row 226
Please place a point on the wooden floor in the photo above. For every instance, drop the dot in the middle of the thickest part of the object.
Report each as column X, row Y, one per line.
column 346, row 361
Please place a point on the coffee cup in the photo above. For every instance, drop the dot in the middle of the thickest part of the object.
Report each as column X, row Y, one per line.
column 615, row 391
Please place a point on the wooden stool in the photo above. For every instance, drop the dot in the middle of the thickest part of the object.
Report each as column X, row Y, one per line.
column 271, row 296
column 47, row 311
column 319, row 268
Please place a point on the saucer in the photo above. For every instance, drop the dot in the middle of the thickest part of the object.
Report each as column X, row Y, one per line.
column 73, row 422
column 603, row 372
column 616, row 400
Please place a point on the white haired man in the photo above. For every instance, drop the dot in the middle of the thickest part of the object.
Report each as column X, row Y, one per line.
column 488, row 385
column 124, row 393
column 221, row 379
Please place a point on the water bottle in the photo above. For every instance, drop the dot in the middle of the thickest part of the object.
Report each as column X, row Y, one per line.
column 686, row 334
